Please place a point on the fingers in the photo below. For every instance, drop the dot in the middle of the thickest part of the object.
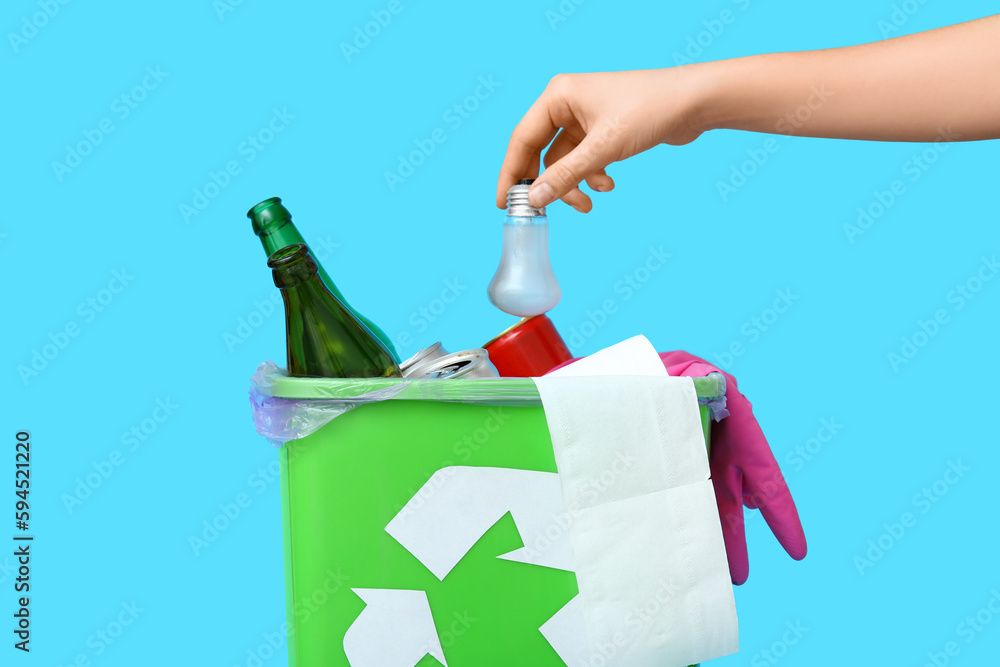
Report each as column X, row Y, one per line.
column 576, row 156
column 567, row 140
column 779, row 511
column 590, row 156
column 531, row 135
column 522, row 161
column 600, row 181
column 578, row 200
column 728, row 496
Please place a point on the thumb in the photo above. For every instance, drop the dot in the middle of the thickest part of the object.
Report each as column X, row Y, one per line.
column 592, row 154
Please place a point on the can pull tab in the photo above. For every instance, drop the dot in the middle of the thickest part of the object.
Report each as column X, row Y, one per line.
column 524, row 283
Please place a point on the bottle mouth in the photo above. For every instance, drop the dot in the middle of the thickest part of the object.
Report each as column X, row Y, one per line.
column 267, row 213
column 291, row 265
column 517, row 200
column 288, row 256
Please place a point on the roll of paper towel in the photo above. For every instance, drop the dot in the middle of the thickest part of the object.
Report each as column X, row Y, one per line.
column 646, row 538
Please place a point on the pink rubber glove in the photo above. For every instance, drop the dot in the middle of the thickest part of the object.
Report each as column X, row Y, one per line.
column 744, row 471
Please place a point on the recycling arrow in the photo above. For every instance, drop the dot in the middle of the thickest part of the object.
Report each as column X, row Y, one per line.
column 395, row 629
column 458, row 504
column 566, row 632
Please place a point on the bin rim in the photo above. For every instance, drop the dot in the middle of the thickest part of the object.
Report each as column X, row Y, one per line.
column 487, row 391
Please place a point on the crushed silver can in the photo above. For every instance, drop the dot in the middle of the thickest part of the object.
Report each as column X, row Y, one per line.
column 467, row 364
column 430, row 353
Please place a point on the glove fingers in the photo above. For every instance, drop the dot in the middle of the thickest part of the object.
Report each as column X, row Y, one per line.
column 731, row 514
column 762, row 477
column 778, row 509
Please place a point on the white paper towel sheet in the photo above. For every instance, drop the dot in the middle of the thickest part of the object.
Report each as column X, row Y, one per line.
column 646, row 538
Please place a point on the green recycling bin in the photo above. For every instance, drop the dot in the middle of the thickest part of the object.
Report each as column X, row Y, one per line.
column 351, row 586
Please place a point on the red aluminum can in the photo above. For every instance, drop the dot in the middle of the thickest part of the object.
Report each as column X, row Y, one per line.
column 530, row 348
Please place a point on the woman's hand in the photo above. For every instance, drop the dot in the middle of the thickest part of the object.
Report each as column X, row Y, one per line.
column 597, row 119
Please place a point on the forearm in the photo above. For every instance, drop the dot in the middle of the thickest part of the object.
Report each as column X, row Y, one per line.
column 938, row 84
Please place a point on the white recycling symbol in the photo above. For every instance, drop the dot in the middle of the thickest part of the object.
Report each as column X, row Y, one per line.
column 439, row 525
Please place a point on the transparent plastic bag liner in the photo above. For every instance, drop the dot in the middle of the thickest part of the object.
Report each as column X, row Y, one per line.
column 287, row 408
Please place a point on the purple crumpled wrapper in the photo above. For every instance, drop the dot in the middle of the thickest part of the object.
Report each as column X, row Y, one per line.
column 282, row 419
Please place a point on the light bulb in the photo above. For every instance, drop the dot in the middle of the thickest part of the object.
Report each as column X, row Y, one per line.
column 524, row 284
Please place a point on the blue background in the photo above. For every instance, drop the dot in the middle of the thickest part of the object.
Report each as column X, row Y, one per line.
column 191, row 279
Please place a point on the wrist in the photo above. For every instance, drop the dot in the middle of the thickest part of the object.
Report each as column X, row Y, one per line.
column 719, row 101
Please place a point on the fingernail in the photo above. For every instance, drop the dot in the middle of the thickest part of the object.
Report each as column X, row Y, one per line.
column 601, row 188
column 541, row 194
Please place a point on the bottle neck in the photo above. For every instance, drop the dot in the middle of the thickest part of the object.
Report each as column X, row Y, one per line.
column 303, row 296
column 308, row 354
column 324, row 339
column 279, row 234
column 525, row 220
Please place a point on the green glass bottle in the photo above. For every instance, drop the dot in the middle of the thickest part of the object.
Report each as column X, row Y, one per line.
column 323, row 337
column 272, row 223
